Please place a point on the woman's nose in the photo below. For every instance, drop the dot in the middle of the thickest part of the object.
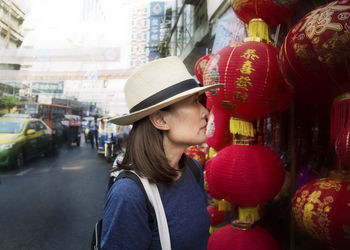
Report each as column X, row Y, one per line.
column 204, row 111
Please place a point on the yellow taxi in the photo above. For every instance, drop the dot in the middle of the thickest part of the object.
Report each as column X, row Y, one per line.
column 22, row 138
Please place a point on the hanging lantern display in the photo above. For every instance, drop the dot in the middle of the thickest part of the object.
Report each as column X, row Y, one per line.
column 218, row 130
column 340, row 116
column 229, row 237
column 272, row 12
column 342, row 147
column 321, row 207
column 236, row 170
column 196, row 152
column 200, row 66
column 315, row 55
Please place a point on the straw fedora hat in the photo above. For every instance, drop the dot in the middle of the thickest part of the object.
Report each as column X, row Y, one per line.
column 156, row 85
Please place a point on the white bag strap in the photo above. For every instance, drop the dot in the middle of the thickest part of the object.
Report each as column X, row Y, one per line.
column 154, row 197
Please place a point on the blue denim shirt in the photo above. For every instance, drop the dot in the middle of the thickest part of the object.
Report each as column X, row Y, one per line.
column 125, row 221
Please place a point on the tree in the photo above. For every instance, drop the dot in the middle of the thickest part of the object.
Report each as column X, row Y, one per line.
column 8, row 102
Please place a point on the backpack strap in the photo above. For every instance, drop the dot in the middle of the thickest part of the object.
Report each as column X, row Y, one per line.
column 194, row 168
column 136, row 179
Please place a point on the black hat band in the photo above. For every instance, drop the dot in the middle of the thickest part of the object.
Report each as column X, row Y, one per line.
column 165, row 94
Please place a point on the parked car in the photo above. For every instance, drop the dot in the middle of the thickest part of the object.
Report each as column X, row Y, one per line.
column 22, row 139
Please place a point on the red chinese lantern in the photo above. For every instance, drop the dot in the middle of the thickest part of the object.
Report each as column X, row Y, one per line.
column 229, row 237
column 321, row 207
column 272, row 12
column 342, row 147
column 200, row 66
column 249, row 72
column 218, row 128
column 236, row 170
column 315, row 54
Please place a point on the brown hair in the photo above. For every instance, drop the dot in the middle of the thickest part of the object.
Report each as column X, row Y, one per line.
column 145, row 153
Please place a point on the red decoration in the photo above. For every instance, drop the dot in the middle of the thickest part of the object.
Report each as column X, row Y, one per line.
column 342, row 147
column 196, row 152
column 251, row 77
column 340, row 116
column 315, row 54
column 218, row 129
column 229, row 237
column 272, row 12
column 321, row 207
column 200, row 66
column 237, row 170
column 216, row 217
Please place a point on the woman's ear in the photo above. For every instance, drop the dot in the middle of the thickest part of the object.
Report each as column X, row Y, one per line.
column 158, row 121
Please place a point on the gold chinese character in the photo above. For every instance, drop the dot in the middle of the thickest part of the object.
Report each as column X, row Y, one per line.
column 242, row 82
column 247, row 68
column 320, row 20
column 250, row 54
column 240, row 96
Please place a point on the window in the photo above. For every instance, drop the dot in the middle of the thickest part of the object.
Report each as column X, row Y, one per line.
column 40, row 126
column 31, row 125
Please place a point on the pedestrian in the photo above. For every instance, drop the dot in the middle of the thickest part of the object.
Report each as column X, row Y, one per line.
column 93, row 132
column 167, row 116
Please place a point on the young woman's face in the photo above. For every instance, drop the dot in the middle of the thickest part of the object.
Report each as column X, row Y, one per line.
column 187, row 121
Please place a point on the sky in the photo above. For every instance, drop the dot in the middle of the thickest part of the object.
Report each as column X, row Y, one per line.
column 59, row 24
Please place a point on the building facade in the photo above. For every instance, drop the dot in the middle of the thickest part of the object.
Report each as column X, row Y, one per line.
column 11, row 20
column 11, row 37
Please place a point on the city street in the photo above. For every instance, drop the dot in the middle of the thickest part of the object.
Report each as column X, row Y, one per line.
column 53, row 203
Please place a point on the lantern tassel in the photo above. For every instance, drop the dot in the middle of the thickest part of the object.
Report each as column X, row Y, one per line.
column 222, row 205
column 241, row 127
column 258, row 31
column 248, row 214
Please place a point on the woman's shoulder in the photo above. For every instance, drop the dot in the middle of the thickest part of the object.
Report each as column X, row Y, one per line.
column 126, row 189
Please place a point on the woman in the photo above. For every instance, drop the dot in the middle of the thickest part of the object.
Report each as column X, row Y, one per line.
column 167, row 117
